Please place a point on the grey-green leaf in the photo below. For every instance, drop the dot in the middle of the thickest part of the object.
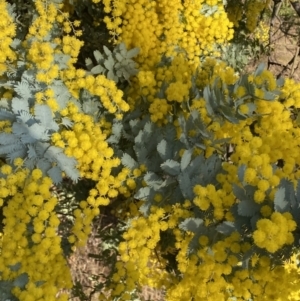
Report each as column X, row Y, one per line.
column 186, row 159
column 280, row 204
column 171, row 167
column 191, row 224
column 129, row 162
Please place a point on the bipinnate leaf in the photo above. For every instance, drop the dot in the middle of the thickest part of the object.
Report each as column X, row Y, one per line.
column 98, row 56
column 191, row 224
column 21, row 280
column 185, row 185
column 280, row 204
column 239, row 192
column 298, row 191
column 186, row 159
column 67, row 164
column 38, row 132
column 6, row 115
column 15, row 267
column 116, row 132
column 164, row 150
column 248, row 207
column 67, row 122
column 241, row 172
column 6, row 138
column 153, row 180
column 143, row 193
column 107, row 51
column 97, row 69
column 22, row 88
column 171, row 167
column 128, row 161
column 19, row 105
column 55, row 174
column 132, row 53
column 226, row 228
column 44, row 114
column 261, row 67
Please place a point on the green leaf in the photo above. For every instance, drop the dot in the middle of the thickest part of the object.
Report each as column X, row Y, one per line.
column 55, row 174
column 89, row 63
column 38, row 132
column 21, row 280
column 171, row 167
column 209, row 107
column 186, row 159
column 226, row 228
column 62, row 60
column 116, row 132
column 280, row 204
column 248, row 207
column 107, row 51
column 298, row 191
column 191, row 224
column 280, row 82
column 132, row 53
column 44, row 114
column 228, row 114
column 269, row 95
column 121, row 48
column 15, row 267
column 23, row 90
column 109, row 63
column 18, row 105
column 6, row 138
column 261, row 67
column 98, row 56
column 129, row 162
column 15, row 44
column 91, row 107
column 143, row 193
column 97, row 70
column 241, row 172
column 185, row 185
column 153, row 180
column 67, row 122
column 239, row 192
column 67, row 164
column 162, row 149
column 119, row 57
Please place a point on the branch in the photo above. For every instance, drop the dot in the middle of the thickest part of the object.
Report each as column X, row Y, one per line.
column 275, row 11
column 296, row 6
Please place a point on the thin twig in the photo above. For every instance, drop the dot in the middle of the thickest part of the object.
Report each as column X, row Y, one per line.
column 294, row 62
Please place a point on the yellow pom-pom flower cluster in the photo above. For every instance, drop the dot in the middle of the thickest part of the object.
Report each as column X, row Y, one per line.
column 86, row 143
column 8, row 31
column 275, row 232
column 253, row 9
column 143, row 24
column 261, row 33
column 110, row 96
column 247, row 11
column 139, row 267
column 41, row 26
column 41, row 53
column 30, row 234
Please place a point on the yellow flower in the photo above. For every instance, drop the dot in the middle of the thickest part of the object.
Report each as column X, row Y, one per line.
column 259, row 196
column 250, row 175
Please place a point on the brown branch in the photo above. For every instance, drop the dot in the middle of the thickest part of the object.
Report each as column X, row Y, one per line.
column 294, row 62
column 275, row 11
column 296, row 6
